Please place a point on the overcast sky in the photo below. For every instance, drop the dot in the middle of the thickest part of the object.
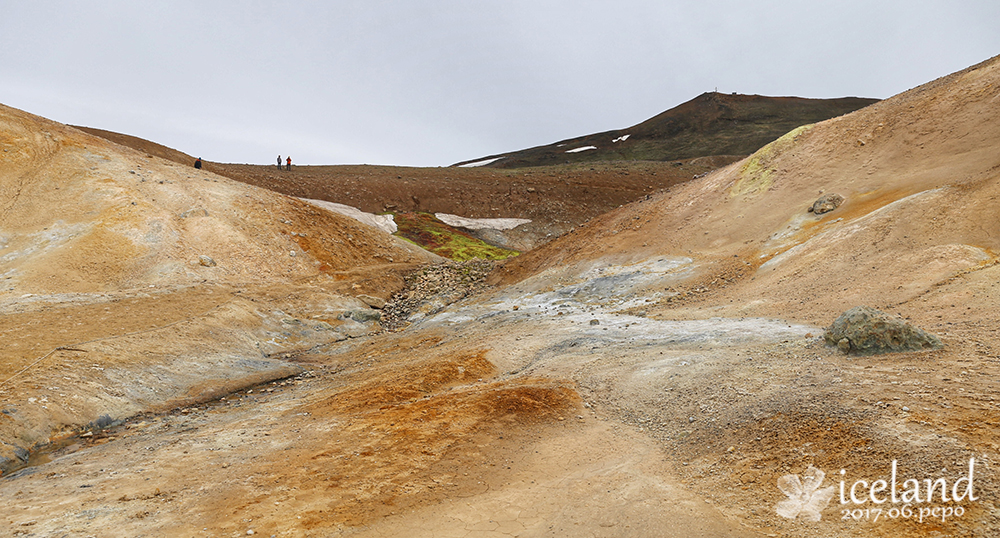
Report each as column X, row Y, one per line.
column 434, row 82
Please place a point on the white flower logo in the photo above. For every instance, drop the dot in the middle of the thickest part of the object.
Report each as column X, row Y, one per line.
column 804, row 497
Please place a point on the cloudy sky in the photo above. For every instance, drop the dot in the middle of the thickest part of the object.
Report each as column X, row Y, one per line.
column 434, row 82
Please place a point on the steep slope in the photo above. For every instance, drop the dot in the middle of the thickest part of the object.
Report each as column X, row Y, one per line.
column 710, row 124
column 170, row 283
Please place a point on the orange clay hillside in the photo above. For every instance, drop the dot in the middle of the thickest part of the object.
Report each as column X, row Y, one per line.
column 114, row 263
column 85, row 215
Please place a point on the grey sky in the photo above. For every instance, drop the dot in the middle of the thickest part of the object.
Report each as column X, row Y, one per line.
column 430, row 83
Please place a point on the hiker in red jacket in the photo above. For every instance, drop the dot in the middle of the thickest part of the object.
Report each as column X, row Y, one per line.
column 288, row 165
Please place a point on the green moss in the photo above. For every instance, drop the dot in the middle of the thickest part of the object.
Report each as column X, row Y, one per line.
column 757, row 175
column 428, row 232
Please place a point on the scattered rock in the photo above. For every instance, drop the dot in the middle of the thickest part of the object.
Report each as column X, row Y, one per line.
column 432, row 288
column 340, row 334
column 195, row 212
column 826, row 203
column 362, row 315
column 206, row 261
column 864, row 330
column 103, row 421
column 374, row 302
column 18, row 457
column 595, row 322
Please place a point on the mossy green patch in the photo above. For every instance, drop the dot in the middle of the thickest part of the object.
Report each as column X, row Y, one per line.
column 430, row 233
column 757, row 175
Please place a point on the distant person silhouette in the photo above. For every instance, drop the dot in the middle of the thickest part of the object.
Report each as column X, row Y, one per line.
column 289, row 164
column 197, row 164
column 279, row 162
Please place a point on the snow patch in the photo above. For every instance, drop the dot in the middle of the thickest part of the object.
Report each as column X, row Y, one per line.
column 382, row 222
column 480, row 224
column 621, row 138
column 578, row 150
column 483, row 162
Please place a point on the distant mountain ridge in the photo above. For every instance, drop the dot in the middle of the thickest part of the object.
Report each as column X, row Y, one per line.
column 710, row 124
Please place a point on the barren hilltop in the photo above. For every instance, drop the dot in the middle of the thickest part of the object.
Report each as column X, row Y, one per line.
column 192, row 355
column 711, row 124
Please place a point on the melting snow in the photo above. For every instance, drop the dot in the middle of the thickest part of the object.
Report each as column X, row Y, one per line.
column 480, row 224
column 621, row 138
column 577, row 150
column 382, row 222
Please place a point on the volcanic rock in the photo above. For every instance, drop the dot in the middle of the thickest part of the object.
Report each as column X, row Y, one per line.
column 362, row 315
column 374, row 302
column 863, row 330
column 826, row 203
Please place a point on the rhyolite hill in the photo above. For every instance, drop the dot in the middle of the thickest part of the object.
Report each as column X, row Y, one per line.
column 710, row 124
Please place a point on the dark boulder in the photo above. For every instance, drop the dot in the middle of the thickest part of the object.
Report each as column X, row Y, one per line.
column 865, row 331
column 826, row 203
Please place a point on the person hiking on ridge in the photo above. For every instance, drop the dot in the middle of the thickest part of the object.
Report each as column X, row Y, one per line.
column 279, row 162
column 289, row 161
column 197, row 164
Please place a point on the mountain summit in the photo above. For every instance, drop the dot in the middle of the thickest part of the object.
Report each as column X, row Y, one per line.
column 711, row 124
